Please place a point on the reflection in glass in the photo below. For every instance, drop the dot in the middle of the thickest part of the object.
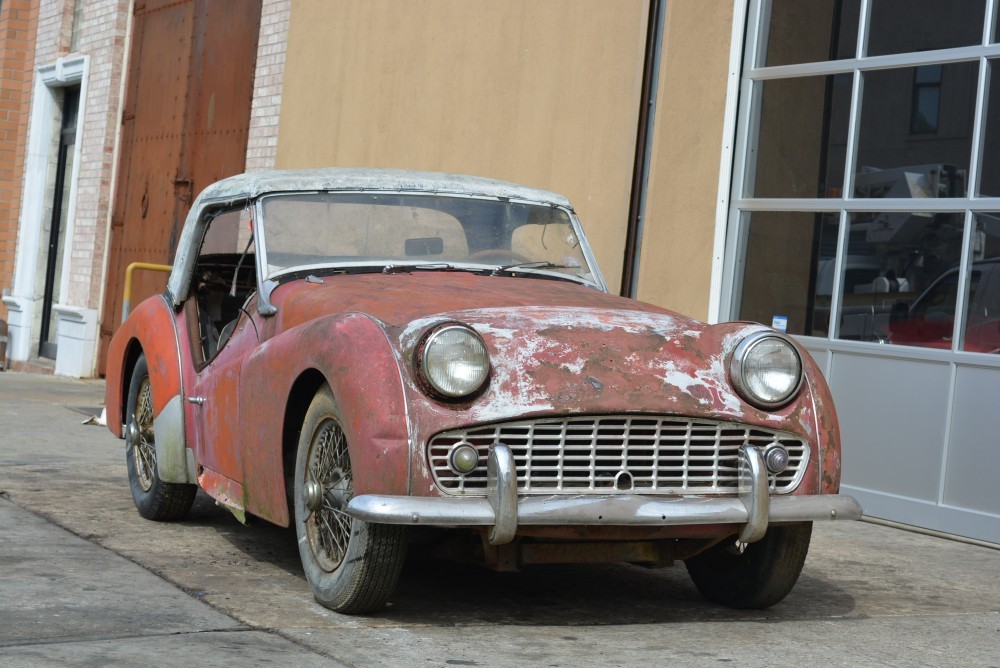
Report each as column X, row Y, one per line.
column 814, row 31
column 790, row 269
column 981, row 332
column 906, row 255
column 926, row 100
column 989, row 182
column 895, row 162
column 899, row 26
column 802, row 137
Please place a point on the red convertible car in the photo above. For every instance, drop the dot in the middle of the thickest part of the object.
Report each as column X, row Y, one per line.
column 377, row 355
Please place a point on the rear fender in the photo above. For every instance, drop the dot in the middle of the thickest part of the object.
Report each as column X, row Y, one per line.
column 151, row 329
column 353, row 355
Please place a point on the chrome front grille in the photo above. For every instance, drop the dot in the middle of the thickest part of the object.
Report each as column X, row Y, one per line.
column 625, row 454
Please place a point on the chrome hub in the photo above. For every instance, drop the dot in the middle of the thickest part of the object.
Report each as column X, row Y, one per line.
column 132, row 434
column 312, row 495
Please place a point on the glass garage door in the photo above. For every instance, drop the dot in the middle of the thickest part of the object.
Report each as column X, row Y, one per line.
column 865, row 220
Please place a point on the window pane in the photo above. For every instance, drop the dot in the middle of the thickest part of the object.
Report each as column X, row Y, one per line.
column 982, row 323
column 806, row 32
column 802, row 137
column 894, row 161
column 789, row 270
column 989, row 183
column 909, row 298
column 899, row 26
column 924, row 116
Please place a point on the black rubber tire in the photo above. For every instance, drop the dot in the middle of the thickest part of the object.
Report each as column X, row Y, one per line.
column 154, row 499
column 363, row 577
column 761, row 575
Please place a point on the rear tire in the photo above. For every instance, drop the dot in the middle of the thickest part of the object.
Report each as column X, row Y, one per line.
column 761, row 575
column 351, row 565
column 154, row 499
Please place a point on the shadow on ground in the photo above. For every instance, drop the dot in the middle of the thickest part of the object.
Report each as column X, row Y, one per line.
column 434, row 592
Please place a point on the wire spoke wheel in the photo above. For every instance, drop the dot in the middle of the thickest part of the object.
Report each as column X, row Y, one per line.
column 329, row 469
column 144, row 449
column 351, row 565
column 155, row 498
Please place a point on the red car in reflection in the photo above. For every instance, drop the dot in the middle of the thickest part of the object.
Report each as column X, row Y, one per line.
column 930, row 320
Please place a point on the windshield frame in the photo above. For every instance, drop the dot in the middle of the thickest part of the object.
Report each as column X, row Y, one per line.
column 269, row 280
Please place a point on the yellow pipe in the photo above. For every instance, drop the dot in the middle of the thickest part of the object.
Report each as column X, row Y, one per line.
column 146, row 266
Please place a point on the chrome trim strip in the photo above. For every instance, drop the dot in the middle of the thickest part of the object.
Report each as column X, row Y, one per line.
column 589, row 509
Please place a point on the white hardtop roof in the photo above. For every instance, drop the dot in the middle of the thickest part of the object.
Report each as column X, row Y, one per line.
column 392, row 180
column 252, row 184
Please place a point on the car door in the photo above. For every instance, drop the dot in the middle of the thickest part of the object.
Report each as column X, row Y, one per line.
column 221, row 334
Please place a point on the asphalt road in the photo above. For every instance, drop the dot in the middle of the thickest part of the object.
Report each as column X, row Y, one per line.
column 85, row 581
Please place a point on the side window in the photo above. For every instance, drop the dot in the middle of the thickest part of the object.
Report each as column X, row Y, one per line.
column 224, row 279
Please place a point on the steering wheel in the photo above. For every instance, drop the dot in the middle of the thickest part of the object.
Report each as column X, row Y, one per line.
column 500, row 256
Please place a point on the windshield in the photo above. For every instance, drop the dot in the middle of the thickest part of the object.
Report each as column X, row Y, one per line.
column 311, row 231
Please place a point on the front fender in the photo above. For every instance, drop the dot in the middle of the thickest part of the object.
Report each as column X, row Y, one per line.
column 151, row 329
column 352, row 353
column 827, row 427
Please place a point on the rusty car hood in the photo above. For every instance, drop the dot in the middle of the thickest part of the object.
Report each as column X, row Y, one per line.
column 400, row 298
column 555, row 346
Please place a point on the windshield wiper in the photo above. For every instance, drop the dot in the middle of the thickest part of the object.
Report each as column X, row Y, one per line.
column 541, row 264
column 431, row 266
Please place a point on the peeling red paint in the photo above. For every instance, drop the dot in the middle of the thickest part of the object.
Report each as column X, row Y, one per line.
column 234, row 371
column 150, row 326
column 557, row 348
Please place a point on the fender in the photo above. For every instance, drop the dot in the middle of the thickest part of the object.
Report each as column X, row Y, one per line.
column 352, row 353
column 152, row 328
column 827, row 427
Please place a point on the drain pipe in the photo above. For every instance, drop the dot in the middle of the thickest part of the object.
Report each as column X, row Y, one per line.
column 643, row 141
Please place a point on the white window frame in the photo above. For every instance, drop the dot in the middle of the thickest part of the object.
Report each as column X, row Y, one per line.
column 740, row 205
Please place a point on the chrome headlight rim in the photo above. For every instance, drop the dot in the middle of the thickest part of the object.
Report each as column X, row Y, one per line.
column 738, row 370
column 430, row 384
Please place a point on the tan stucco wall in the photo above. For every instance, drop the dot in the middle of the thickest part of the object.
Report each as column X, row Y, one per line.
column 542, row 93
column 676, row 255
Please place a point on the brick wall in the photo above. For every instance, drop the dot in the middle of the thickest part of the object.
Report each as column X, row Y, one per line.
column 102, row 32
column 262, row 141
column 18, row 23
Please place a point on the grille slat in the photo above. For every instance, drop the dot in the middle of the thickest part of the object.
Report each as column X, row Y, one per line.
column 579, row 455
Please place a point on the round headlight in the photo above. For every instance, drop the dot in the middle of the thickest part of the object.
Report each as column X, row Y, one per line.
column 455, row 361
column 766, row 370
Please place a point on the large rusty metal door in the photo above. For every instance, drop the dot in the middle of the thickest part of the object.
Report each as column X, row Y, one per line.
column 187, row 113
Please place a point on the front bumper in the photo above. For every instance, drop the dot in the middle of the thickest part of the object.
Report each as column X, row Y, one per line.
column 503, row 511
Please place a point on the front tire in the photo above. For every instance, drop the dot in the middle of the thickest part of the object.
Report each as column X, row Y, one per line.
column 759, row 576
column 154, row 499
column 351, row 565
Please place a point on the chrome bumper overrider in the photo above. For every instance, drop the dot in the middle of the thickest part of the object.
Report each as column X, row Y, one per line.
column 503, row 511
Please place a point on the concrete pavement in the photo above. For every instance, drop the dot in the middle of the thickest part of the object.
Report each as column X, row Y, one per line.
column 85, row 581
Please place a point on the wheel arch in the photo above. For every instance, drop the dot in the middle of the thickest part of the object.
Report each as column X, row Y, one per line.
column 133, row 351
column 352, row 354
column 303, row 389
column 150, row 330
